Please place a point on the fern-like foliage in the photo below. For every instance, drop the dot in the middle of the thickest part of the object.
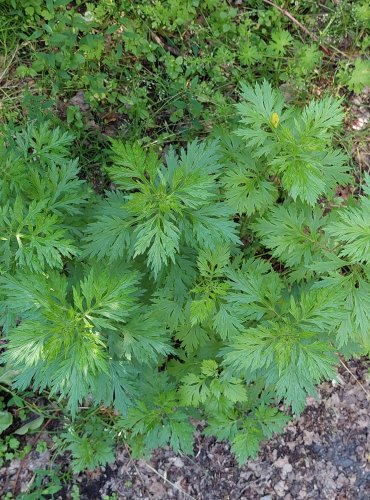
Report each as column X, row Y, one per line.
column 248, row 186
column 220, row 282
column 351, row 230
column 294, row 144
column 158, row 419
column 162, row 207
column 40, row 196
column 70, row 340
column 90, row 447
column 32, row 238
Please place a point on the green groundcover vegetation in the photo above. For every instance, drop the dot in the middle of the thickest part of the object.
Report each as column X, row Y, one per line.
column 174, row 248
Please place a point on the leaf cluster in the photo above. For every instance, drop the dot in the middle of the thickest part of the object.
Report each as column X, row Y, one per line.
column 218, row 282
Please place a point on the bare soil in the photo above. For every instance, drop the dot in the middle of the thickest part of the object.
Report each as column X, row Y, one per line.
column 323, row 455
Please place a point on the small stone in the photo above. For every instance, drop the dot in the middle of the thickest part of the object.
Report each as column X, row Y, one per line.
column 178, row 463
column 344, row 462
column 14, row 465
column 308, row 437
column 157, row 489
column 286, row 469
column 280, row 488
column 316, row 448
column 284, row 465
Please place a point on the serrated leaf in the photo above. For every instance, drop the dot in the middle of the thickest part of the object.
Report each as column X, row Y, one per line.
column 246, row 444
column 33, row 425
column 6, row 420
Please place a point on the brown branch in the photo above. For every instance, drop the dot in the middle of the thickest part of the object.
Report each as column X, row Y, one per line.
column 300, row 25
column 25, row 459
column 173, row 50
column 169, row 482
column 356, row 379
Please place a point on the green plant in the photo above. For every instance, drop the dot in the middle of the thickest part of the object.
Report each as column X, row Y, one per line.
column 46, row 483
column 358, row 77
column 8, row 449
column 170, row 68
column 92, row 448
column 219, row 282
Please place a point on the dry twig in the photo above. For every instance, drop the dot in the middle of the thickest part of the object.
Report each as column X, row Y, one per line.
column 6, row 69
column 169, row 482
column 26, row 458
column 173, row 50
column 299, row 24
column 354, row 376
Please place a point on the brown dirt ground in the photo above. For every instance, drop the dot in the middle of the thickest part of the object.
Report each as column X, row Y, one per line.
column 323, row 455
